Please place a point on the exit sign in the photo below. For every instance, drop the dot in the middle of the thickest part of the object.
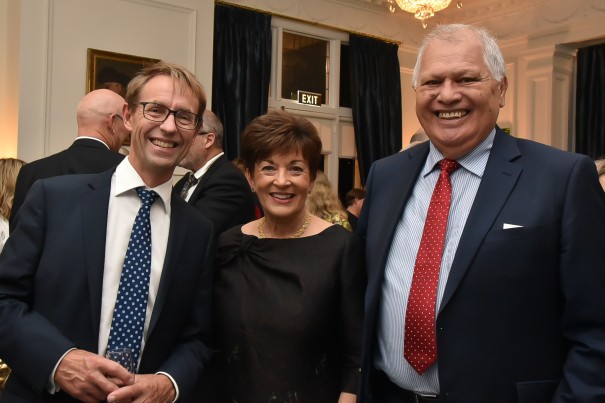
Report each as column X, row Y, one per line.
column 309, row 98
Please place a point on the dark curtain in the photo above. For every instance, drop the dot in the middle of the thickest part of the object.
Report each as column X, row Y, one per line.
column 590, row 102
column 241, row 70
column 376, row 99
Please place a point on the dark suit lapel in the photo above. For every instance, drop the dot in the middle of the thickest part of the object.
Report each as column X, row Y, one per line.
column 398, row 178
column 212, row 169
column 207, row 175
column 176, row 240
column 401, row 184
column 179, row 185
column 497, row 183
column 94, row 207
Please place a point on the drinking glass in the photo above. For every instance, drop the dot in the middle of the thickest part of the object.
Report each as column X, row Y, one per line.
column 122, row 356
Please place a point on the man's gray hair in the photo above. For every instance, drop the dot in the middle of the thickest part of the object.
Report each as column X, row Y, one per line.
column 212, row 124
column 492, row 55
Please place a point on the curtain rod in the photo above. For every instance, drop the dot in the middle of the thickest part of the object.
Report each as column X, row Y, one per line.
column 317, row 24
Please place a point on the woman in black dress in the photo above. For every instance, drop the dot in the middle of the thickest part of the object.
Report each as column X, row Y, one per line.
column 289, row 287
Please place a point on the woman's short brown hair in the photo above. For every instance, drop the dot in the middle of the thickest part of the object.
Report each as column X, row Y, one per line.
column 279, row 132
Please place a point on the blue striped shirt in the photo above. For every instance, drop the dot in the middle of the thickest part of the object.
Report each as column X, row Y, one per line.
column 402, row 256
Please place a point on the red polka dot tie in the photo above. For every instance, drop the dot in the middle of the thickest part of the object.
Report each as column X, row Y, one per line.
column 420, row 344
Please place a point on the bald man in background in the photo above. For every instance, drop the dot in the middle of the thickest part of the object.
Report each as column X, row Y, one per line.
column 101, row 132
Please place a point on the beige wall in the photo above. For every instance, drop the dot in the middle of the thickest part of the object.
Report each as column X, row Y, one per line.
column 54, row 36
column 9, row 74
column 43, row 55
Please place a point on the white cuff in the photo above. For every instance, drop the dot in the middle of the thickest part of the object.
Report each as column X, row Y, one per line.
column 51, row 386
column 176, row 387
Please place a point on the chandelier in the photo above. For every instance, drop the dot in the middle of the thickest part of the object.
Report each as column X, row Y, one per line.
column 422, row 9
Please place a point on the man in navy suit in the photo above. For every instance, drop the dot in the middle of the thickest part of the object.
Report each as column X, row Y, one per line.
column 61, row 267
column 519, row 313
column 101, row 132
column 221, row 193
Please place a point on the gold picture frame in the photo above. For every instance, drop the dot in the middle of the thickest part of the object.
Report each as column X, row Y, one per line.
column 113, row 70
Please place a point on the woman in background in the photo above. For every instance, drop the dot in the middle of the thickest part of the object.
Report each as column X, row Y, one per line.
column 9, row 168
column 324, row 203
column 289, row 287
column 601, row 171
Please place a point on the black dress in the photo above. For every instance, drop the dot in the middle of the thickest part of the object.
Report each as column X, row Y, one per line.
column 289, row 316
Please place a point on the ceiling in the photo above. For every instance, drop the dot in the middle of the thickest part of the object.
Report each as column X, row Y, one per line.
column 469, row 11
column 507, row 19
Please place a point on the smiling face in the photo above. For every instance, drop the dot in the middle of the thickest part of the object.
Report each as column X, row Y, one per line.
column 282, row 182
column 457, row 99
column 157, row 147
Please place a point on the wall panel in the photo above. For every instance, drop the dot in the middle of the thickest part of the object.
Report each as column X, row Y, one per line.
column 167, row 30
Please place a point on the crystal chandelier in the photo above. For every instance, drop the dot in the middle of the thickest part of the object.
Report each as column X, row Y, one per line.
column 422, row 9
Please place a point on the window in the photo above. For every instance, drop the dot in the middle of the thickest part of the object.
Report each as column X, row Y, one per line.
column 308, row 58
column 305, row 62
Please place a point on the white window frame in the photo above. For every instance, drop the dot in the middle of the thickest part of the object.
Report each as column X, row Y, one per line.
column 338, row 117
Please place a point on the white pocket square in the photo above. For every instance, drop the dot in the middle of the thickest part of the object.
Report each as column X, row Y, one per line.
column 509, row 226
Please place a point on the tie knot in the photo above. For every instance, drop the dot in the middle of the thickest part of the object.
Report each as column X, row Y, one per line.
column 448, row 166
column 191, row 180
column 147, row 196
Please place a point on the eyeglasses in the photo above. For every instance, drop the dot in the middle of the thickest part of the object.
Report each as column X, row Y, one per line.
column 159, row 113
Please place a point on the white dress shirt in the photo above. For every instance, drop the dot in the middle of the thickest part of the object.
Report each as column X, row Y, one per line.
column 3, row 232
column 400, row 263
column 93, row 138
column 124, row 204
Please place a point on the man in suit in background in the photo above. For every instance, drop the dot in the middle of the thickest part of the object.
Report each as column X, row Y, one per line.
column 502, row 301
column 215, row 187
column 66, row 279
column 101, row 132
column 354, row 203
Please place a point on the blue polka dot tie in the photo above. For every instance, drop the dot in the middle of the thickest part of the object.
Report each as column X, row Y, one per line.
column 131, row 303
column 420, row 342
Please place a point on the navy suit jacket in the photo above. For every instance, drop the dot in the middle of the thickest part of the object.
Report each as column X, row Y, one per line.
column 223, row 196
column 523, row 314
column 84, row 156
column 51, row 279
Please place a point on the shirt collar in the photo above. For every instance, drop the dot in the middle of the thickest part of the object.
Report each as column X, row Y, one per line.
column 128, row 179
column 93, row 138
column 474, row 162
column 200, row 172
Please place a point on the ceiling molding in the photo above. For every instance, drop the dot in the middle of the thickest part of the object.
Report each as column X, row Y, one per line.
column 507, row 19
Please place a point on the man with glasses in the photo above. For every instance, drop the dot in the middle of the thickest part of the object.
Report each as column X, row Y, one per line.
column 100, row 263
column 101, row 132
column 216, row 187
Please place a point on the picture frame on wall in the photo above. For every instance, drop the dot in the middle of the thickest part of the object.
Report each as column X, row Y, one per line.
column 113, row 70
